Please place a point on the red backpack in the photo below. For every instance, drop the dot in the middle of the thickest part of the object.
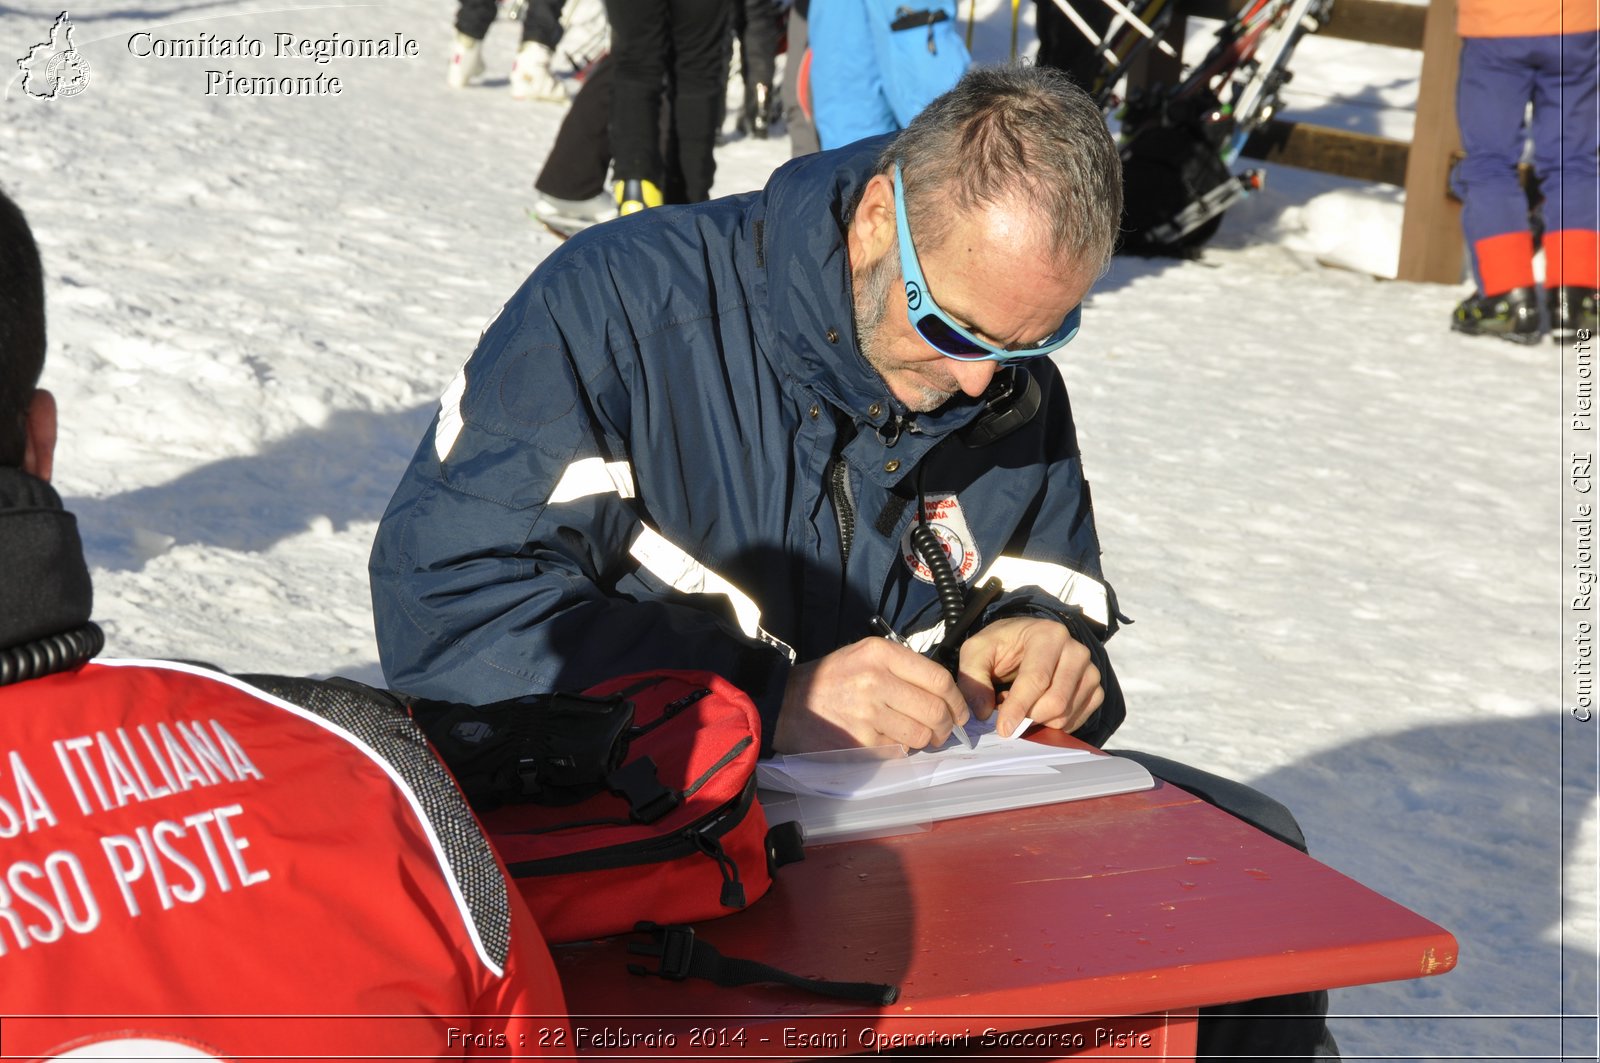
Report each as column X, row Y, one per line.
column 631, row 807
column 676, row 836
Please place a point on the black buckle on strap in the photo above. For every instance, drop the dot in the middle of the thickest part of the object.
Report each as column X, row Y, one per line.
column 674, row 944
column 648, row 798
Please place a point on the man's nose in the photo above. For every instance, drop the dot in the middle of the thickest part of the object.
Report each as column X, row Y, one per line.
column 973, row 377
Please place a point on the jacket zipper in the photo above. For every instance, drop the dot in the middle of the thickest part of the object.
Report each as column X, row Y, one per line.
column 843, row 508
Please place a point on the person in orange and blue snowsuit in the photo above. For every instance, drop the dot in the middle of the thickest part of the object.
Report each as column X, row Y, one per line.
column 1514, row 53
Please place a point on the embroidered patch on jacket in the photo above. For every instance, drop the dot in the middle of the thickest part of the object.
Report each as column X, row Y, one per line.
column 949, row 526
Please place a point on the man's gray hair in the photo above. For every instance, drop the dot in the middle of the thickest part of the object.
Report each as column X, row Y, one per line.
column 1013, row 131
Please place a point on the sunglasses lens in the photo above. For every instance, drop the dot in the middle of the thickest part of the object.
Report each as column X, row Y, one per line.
column 946, row 340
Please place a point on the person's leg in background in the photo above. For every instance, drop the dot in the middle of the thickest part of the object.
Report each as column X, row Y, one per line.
column 639, row 49
column 542, row 22
column 675, row 190
column 797, row 85
column 699, row 35
column 758, row 58
column 531, row 75
column 473, row 19
column 1566, row 137
column 572, row 184
column 1496, row 83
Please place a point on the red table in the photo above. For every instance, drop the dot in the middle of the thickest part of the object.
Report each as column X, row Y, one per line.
column 1087, row 928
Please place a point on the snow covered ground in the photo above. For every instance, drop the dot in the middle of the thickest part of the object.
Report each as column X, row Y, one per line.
column 1338, row 526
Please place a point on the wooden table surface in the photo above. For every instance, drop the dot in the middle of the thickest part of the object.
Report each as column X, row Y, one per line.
column 1148, row 902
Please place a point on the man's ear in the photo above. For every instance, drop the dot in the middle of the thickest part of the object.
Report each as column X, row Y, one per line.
column 872, row 232
column 39, row 428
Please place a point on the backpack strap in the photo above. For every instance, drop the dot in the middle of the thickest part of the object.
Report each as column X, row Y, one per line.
column 684, row 956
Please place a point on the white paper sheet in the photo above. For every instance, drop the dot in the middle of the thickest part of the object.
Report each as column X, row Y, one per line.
column 876, row 771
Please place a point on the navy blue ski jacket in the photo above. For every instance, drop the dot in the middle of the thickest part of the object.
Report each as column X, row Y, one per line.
column 667, row 451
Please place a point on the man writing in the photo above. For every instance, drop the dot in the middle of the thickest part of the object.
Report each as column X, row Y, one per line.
column 729, row 437
column 667, row 450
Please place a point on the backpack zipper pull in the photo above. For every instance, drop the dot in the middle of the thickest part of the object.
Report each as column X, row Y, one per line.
column 732, row 889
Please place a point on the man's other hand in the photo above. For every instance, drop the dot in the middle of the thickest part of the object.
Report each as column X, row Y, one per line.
column 870, row 693
column 1050, row 676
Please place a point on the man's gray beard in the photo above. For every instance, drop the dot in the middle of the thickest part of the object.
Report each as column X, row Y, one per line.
column 880, row 280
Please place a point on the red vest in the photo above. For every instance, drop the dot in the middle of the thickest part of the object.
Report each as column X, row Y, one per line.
column 183, row 858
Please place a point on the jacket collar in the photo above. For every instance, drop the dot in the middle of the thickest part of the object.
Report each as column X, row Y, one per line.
column 45, row 588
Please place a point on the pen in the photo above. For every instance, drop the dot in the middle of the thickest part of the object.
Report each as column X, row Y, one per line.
column 881, row 626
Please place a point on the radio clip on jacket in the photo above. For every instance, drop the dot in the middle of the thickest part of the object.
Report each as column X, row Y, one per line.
column 631, row 806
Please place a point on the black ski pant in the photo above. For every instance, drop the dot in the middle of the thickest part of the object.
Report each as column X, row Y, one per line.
column 1289, row 1027
column 578, row 160
column 650, row 40
column 581, row 155
column 541, row 20
column 755, row 23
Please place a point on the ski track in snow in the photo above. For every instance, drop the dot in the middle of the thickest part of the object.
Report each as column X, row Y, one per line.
column 1335, row 523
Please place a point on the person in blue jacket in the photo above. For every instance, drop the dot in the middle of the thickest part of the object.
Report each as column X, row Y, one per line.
column 876, row 63
column 730, row 436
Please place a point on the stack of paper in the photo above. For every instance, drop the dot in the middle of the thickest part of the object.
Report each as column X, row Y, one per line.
column 876, row 771
column 883, row 790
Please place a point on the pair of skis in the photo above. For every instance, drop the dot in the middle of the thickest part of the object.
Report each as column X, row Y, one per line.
column 1187, row 136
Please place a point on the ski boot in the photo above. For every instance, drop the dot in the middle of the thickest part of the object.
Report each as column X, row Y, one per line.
column 1513, row 316
column 634, row 195
column 567, row 217
column 756, row 121
column 531, row 78
column 1572, row 310
column 466, row 61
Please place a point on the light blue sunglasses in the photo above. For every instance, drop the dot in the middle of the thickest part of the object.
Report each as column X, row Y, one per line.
column 937, row 328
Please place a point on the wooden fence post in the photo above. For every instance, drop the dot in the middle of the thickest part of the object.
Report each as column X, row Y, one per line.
column 1431, row 244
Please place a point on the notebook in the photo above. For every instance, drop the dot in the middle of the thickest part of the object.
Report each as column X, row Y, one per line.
column 882, row 790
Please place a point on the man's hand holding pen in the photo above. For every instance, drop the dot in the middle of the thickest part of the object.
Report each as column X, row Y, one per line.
column 870, row 693
column 877, row 692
